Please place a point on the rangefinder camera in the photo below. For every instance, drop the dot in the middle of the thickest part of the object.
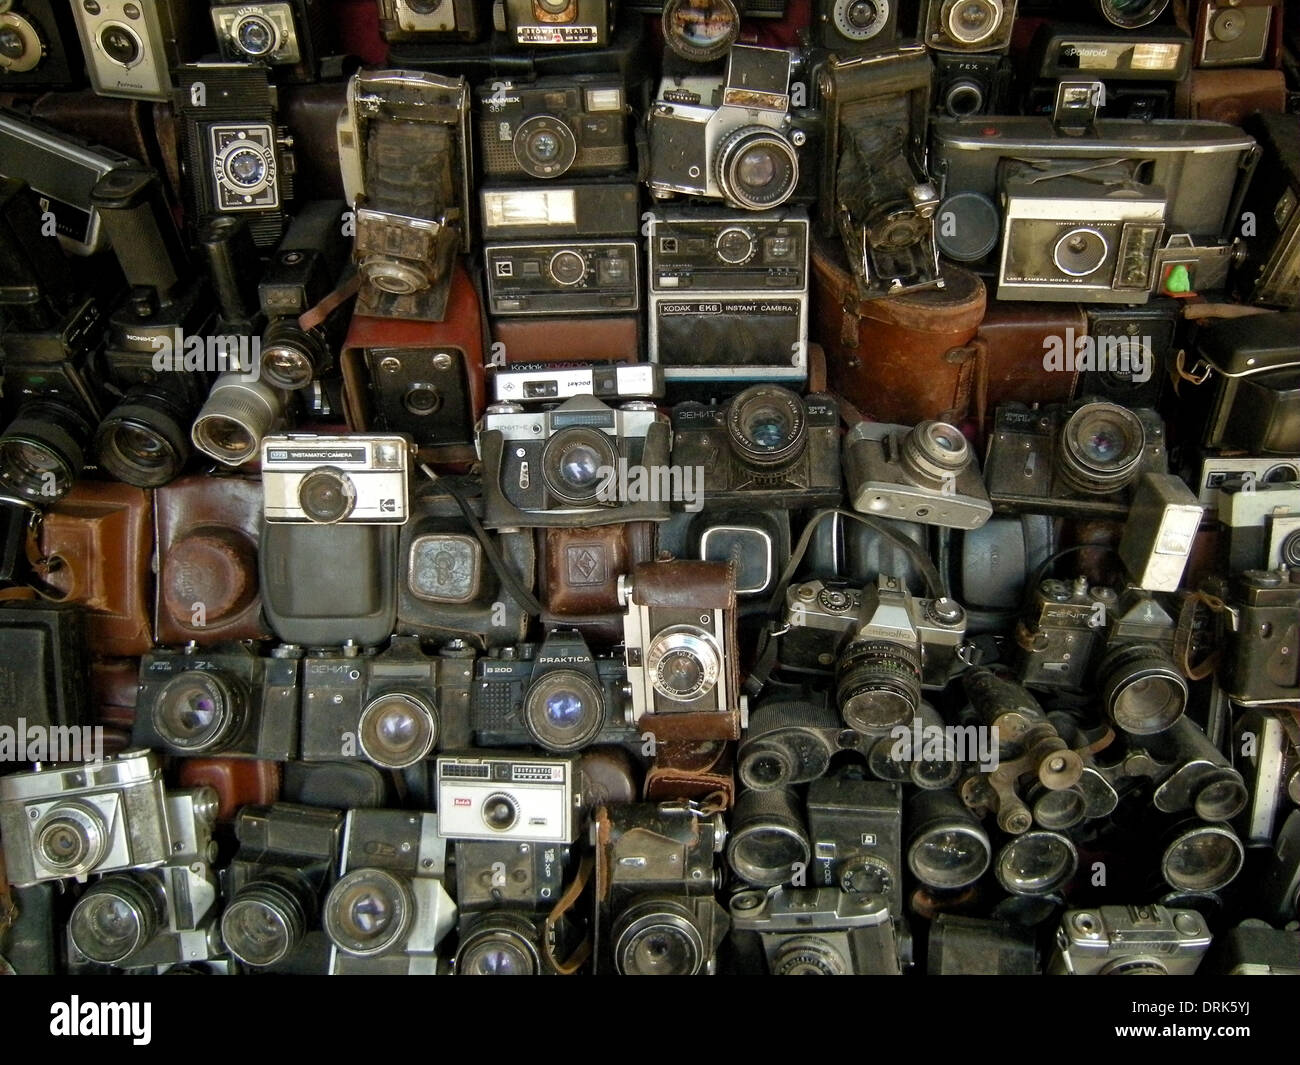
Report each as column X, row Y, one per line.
column 926, row 473
column 637, row 381
column 555, row 23
column 75, row 820
column 1129, row 941
column 1083, row 460
column 224, row 700
column 599, row 277
column 767, row 446
column 131, row 48
column 280, row 34
column 418, row 20
column 553, row 126
column 524, row 798
column 1262, row 522
column 819, row 931
column 356, row 479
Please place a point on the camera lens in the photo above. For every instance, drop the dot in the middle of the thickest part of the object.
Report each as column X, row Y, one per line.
column 576, row 464
column 657, row 937
column 768, row 841
column 368, row 912
column 263, row 923
column 500, row 944
column 1037, row 863
column 564, row 710
column 246, row 166
column 756, row 168
column 768, row 426
column 1202, row 858
column 144, row 440
column 21, row 47
column 115, row 918
column 254, row 36
column 1100, row 448
column 237, row 414
column 43, row 450
column 700, row 30
column 71, row 839
column 1130, row 14
column 567, row 267
column 555, row 7
column 424, row 7
column 1221, row 797
column 683, row 663
column 500, row 812
column 947, row 847
column 1142, row 690
column 120, row 44
column 860, row 20
column 964, row 98
column 397, row 729
column 972, row 22
column 1060, row 808
column 199, row 711
column 1080, row 252
column 327, row 495
column 291, row 356
column 1289, row 550
column 878, row 685
column 933, row 453
column 544, row 146
column 765, row 765
column 809, row 956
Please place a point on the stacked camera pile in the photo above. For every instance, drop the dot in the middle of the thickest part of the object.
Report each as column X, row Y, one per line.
column 513, row 506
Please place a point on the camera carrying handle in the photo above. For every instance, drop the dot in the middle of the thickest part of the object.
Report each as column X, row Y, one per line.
column 563, row 905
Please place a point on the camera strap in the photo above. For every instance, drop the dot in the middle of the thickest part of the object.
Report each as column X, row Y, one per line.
column 348, row 287
column 563, row 905
column 1186, row 630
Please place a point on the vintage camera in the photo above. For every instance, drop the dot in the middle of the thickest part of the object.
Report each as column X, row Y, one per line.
column 1129, row 941
column 1261, row 659
column 734, row 141
column 420, row 20
column 393, row 708
column 38, row 45
column 237, row 158
column 1262, row 522
column 850, row 27
column 765, row 447
column 1059, row 633
column 1160, row 532
column 947, row 847
column 791, row 741
column 523, row 798
column 856, row 828
column 147, row 919
column 1227, row 471
column 729, row 294
column 967, row 85
column 1142, row 690
column 75, row 820
column 501, row 942
column 1237, row 33
column 239, row 412
column 1081, row 460
column 556, row 695
column 637, row 381
column 596, row 277
column 492, row 874
column 968, row 25
column 226, row 701
column 1256, row 400
column 388, row 910
column 875, row 188
column 555, row 23
column 1134, row 346
column 356, row 478
column 286, row 863
column 1271, row 273
column 403, row 144
column 819, row 931
column 283, row 35
column 926, row 473
column 559, row 467
column 131, row 49
column 553, row 126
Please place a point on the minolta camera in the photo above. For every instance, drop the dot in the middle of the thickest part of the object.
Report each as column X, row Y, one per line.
column 561, row 467
column 519, row 797
column 147, row 919
column 40, row 45
column 856, row 830
column 556, row 695
column 1142, row 690
column 1262, row 522
column 132, row 48
column 1261, row 657
column 419, row 20
column 850, row 27
column 1129, row 941
column 392, row 708
column 356, row 479
column 731, row 140
column 554, row 23
column 492, row 874
column 75, row 820
column 791, row 741
column 1082, row 460
column 389, row 908
column 281, row 35
column 592, row 277
column 224, row 700
column 926, row 473
column 553, row 126
column 766, row 447
column 1064, row 625
column 819, row 931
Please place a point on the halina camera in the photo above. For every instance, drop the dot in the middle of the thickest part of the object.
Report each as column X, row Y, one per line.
column 357, row 478
column 819, row 931
column 392, row 708
column 968, row 25
column 291, row 34
column 38, row 45
column 1261, row 660
column 555, row 23
column 388, row 910
column 419, row 20
column 766, row 447
column 225, row 700
column 556, row 695
column 519, row 797
column 132, row 48
column 927, row 473
column 1129, row 941
column 1056, row 639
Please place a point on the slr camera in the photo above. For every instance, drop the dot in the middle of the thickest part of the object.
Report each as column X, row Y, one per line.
column 76, row 820
column 733, row 140
column 519, row 797
column 1262, row 522
column 130, row 48
column 223, row 700
column 563, row 466
column 38, row 45
column 927, row 474
column 388, row 910
column 1262, row 647
column 556, row 695
column 1082, row 460
column 1062, row 628
column 819, row 931
column 791, row 741
column 765, row 447
column 850, row 27
column 391, row 708
column 555, row 23
column 1129, row 941
column 284, row 35
column 856, row 829
column 1142, row 691
column 968, row 25
column 419, row 20
column 357, row 479
column 500, row 874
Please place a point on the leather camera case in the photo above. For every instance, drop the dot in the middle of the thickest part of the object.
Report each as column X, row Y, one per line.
column 600, row 338
column 580, row 573
column 693, row 770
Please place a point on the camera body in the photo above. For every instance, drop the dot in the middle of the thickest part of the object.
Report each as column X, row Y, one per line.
column 850, row 27
column 82, row 819
column 1262, row 651
column 1256, row 405
column 518, row 797
column 1237, row 33
column 393, row 708
column 766, row 446
column 492, row 874
column 556, row 695
column 290, row 36
column 819, row 931
column 41, row 46
column 555, row 23
column 1262, row 521
column 1129, row 940
column 420, row 20
column 1059, row 634
column 1147, row 334
column 223, row 700
column 131, row 49
column 790, row 741
column 963, row 26
column 592, row 277
column 967, row 85
column 358, row 478
column 856, row 830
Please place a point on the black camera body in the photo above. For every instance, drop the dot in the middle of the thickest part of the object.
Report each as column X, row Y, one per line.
column 856, row 829
column 290, row 36
column 854, row 27
column 1262, row 652
column 972, row 84
column 39, row 45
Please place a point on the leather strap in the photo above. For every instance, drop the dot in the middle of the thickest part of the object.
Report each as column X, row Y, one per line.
column 347, row 288
column 563, row 905
column 1184, row 630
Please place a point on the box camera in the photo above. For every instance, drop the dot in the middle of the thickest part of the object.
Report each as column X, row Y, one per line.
column 388, row 910
column 553, row 126
column 132, row 48
column 556, row 695
column 76, row 820
column 225, row 701
column 766, row 447
column 856, row 829
column 1129, row 940
column 1081, row 460
column 729, row 294
column 1271, row 273
column 1142, row 690
column 555, row 23
column 283, row 35
column 1134, row 348
column 1262, row 522
column 419, row 20
column 393, row 708
column 637, row 381
column 1160, row 532
column 1256, row 404
column 967, row 85
column 599, row 277
column 358, row 478
column 38, row 45
column 492, row 874
column 523, row 798
column 819, row 931
column 1262, row 650
column 968, row 25
column 927, row 473
column 1237, row 33
column 560, row 467
column 1056, row 638
column 850, row 27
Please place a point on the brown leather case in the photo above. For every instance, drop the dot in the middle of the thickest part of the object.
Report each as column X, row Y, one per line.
column 208, row 530
column 126, row 126
column 608, row 776
column 902, row 359
column 237, row 781
column 693, row 771
column 1231, row 95
column 612, row 338
column 114, row 685
column 98, row 543
column 581, row 569
column 311, row 112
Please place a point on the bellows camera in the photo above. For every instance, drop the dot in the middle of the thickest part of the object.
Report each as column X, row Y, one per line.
column 515, row 797
column 356, row 479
